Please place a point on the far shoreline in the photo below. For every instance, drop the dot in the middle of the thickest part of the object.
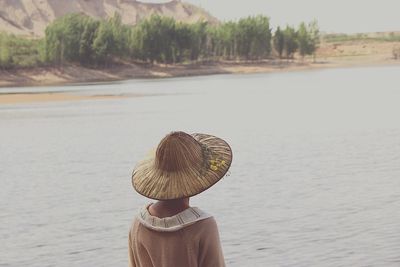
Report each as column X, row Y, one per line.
column 71, row 75
column 53, row 77
column 349, row 54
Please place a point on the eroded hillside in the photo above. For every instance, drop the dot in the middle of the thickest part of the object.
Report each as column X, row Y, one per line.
column 30, row 17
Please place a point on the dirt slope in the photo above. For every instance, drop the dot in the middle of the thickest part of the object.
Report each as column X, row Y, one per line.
column 30, row 17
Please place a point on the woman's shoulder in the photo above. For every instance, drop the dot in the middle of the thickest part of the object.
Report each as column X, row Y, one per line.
column 208, row 222
column 206, row 225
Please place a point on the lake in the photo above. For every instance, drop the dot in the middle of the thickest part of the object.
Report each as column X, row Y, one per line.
column 315, row 179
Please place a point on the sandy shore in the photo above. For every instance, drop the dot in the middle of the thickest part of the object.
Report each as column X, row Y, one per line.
column 73, row 74
column 351, row 54
column 47, row 97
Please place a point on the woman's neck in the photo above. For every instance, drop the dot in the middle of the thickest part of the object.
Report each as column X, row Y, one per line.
column 168, row 208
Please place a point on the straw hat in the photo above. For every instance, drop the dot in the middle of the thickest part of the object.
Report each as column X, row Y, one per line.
column 182, row 166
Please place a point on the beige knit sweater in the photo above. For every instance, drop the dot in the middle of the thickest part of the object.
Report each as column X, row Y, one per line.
column 188, row 239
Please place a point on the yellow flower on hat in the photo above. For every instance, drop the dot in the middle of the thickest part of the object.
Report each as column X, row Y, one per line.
column 216, row 163
column 214, row 167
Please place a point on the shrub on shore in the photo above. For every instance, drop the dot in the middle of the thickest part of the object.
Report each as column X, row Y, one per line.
column 396, row 52
column 19, row 52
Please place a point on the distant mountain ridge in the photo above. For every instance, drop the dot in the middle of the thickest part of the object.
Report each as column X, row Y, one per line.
column 31, row 17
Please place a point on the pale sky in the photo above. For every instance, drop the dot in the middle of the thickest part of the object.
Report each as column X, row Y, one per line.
column 333, row 16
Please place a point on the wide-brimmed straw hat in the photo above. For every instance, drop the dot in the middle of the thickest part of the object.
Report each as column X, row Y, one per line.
column 183, row 165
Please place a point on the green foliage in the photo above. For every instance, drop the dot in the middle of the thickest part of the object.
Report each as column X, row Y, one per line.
column 392, row 37
column 279, row 42
column 5, row 52
column 249, row 38
column 254, row 37
column 19, row 52
column 222, row 41
column 290, row 41
column 197, row 40
column 86, row 50
column 77, row 38
column 163, row 40
column 183, row 42
column 308, row 38
column 314, row 36
column 63, row 38
column 305, row 40
column 341, row 37
column 156, row 39
column 104, row 44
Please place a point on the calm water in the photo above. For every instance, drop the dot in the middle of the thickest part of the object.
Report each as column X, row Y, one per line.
column 315, row 179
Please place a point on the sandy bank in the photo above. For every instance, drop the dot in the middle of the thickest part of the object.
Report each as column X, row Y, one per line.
column 351, row 54
column 46, row 97
column 76, row 74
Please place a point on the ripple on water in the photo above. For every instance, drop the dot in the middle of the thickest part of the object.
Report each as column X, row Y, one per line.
column 315, row 179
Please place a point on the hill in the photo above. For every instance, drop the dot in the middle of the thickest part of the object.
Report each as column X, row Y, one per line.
column 30, row 17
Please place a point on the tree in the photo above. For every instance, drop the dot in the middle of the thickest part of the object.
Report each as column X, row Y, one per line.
column 279, row 42
column 79, row 38
column 261, row 43
column 156, row 39
column 308, row 38
column 314, row 35
column 184, row 36
column 229, row 34
column 304, row 40
column 54, row 42
column 290, row 41
column 245, row 35
column 86, row 51
column 198, row 39
column 221, row 41
column 103, row 43
column 121, row 35
column 63, row 38
column 249, row 38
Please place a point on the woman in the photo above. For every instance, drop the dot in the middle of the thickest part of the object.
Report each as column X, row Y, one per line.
column 170, row 233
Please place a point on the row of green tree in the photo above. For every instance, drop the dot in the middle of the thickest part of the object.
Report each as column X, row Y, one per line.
column 81, row 39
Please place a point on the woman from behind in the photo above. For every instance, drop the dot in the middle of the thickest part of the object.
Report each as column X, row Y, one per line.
column 171, row 233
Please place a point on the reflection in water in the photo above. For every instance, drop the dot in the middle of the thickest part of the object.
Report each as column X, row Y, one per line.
column 314, row 182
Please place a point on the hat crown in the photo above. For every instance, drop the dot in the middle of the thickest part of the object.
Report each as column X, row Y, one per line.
column 178, row 151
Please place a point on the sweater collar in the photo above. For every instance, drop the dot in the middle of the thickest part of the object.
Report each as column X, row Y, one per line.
column 173, row 223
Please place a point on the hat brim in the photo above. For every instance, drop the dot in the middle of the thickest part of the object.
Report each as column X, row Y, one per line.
column 153, row 183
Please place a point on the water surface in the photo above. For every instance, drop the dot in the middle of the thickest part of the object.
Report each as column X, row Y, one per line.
column 315, row 179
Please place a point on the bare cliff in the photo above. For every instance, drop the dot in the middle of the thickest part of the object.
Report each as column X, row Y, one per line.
column 30, row 17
